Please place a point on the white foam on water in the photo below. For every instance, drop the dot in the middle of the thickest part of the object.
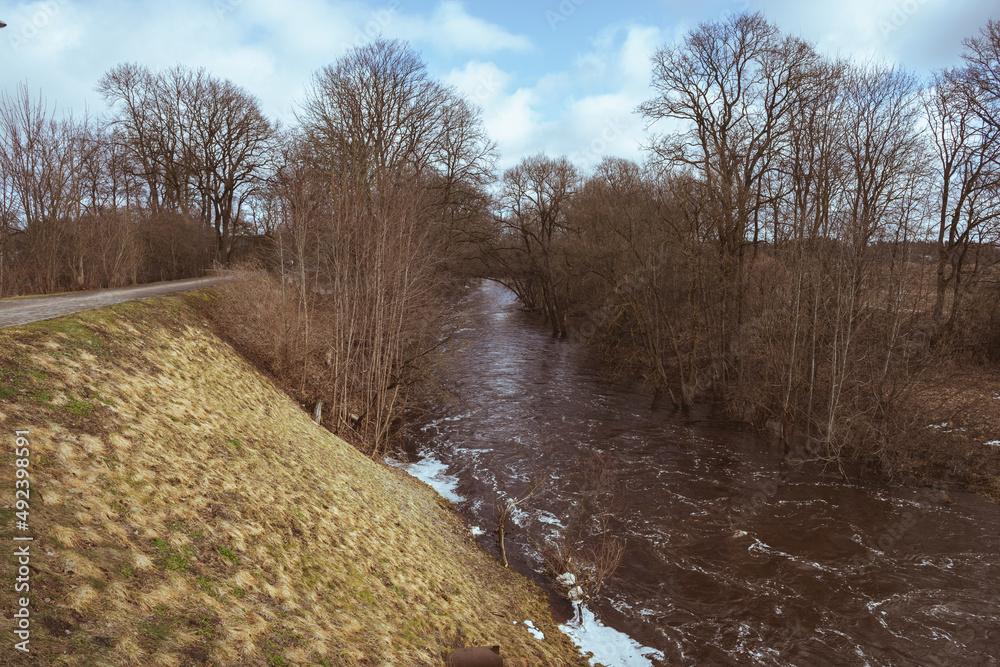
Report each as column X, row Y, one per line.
column 433, row 472
column 992, row 443
column 549, row 518
column 609, row 647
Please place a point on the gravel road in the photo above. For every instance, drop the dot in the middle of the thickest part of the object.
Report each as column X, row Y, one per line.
column 33, row 309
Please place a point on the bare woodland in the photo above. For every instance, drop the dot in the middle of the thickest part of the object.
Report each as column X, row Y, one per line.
column 807, row 241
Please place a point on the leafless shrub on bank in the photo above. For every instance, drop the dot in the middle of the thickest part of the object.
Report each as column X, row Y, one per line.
column 586, row 552
column 504, row 508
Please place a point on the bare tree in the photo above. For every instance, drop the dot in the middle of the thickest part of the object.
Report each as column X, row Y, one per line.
column 37, row 154
column 505, row 507
column 982, row 61
column 529, row 248
column 733, row 84
column 587, row 552
column 201, row 143
column 395, row 149
column 961, row 110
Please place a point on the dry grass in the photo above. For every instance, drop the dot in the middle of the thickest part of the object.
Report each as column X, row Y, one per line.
column 186, row 512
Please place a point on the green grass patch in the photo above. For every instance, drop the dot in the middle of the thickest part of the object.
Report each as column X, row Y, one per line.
column 157, row 628
column 228, row 554
column 79, row 408
column 206, row 585
column 98, row 583
column 173, row 559
column 203, row 624
column 176, row 561
column 43, row 397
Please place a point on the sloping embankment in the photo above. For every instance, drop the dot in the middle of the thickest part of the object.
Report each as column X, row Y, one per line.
column 186, row 512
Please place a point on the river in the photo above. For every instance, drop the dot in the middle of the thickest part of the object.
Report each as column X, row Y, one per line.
column 734, row 555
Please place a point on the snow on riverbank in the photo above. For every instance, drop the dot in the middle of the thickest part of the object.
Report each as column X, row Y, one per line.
column 610, row 647
column 433, row 472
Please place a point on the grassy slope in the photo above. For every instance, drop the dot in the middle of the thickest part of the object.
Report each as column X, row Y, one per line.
column 187, row 512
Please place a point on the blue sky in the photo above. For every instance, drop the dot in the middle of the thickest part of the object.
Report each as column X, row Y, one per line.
column 559, row 76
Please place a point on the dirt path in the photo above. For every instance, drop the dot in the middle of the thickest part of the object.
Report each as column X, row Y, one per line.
column 23, row 311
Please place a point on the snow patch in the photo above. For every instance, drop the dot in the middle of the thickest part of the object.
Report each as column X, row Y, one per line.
column 943, row 426
column 477, row 531
column 433, row 472
column 993, row 443
column 610, row 647
column 535, row 632
column 567, row 579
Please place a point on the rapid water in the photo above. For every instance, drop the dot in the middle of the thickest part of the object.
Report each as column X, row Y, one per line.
column 734, row 555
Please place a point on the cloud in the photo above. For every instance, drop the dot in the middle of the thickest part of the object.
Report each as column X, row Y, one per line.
column 599, row 121
column 584, row 112
column 510, row 116
column 920, row 35
column 540, row 89
column 479, row 82
column 599, row 126
column 452, row 29
column 65, row 46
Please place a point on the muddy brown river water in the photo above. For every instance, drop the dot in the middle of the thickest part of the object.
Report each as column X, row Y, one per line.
column 734, row 555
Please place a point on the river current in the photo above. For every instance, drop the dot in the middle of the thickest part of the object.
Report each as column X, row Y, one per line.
column 734, row 555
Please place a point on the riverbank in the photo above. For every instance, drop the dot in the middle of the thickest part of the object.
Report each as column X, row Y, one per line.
column 184, row 511
column 944, row 433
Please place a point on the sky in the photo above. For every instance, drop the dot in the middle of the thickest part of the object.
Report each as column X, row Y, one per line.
column 561, row 77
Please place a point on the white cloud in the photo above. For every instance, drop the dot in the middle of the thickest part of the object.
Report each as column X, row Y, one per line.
column 584, row 112
column 614, row 79
column 578, row 87
column 599, row 126
column 510, row 116
column 44, row 30
column 640, row 43
column 918, row 34
column 272, row 50
column 269, row 49
column 452, row 29
column 479, row 82
column 514, row 124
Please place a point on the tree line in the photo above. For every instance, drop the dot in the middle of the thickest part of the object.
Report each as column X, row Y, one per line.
column 805, row 243
column 810, row 242
column 153, row 190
